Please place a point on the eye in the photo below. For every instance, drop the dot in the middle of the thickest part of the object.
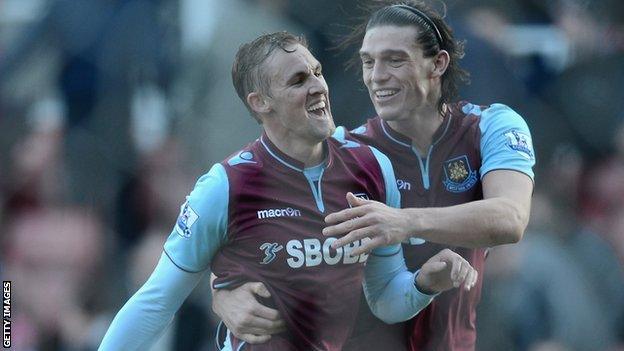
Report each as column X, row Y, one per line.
column 395, row 61
column 367, row 63
column 298, row 80
column 318, row 73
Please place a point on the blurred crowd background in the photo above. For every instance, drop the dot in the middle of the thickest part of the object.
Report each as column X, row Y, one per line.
column 111, row 109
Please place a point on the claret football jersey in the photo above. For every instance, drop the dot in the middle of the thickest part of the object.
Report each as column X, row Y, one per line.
column 258, row 216
column 472, row 141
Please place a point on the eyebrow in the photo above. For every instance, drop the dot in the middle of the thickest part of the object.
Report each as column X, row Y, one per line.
column 387, row 52
column 303, row 73
column 296, row 76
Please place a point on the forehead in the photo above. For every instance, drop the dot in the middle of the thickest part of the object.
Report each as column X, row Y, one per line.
column 390, row 38
column 282, row 65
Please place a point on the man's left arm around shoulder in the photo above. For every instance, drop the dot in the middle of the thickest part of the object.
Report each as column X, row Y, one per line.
column 500, row 218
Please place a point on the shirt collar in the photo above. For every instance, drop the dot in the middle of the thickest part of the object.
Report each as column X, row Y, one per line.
column 405, row 141
column 289, row 162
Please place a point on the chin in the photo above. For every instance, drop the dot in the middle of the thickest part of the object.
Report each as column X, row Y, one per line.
column 388, row 115
column 332, row 129
column 324, row 133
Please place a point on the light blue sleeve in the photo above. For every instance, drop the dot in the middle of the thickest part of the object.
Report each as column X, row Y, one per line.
column 388, row 285
column 505, row 141
column 201, row 228
column 147, row 313
column 393, row 197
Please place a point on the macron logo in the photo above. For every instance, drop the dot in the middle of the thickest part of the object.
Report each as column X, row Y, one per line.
column 403, row 185
column 279, row 212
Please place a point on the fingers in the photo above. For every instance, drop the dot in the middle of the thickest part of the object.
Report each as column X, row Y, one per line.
column 353, row 236
column 342, row 217
column 355, row 201
column 345, row 227
column 259, row 289
column 243, row 314
column 434, row 267
column 460, row 268
column 254, row 339
column 462, row 274
column 471, row 279
column 260, row 310
column 455, row 268
column 367, row 244
column 252, row 327
column 260, row 326
column 278, row 327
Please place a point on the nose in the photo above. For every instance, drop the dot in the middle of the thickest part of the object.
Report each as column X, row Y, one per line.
column 379, row 73
column 319, row 86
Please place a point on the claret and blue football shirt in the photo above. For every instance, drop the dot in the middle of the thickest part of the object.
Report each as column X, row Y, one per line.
column 472, row 141
column 258, row 217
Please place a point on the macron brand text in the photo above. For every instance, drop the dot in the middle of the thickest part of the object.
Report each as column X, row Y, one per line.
column 279, row 212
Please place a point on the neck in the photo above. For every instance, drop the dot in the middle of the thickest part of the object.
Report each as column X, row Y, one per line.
column 420, row 126
column 309, row 152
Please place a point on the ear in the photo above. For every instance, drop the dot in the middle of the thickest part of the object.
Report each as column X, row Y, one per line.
column 259, row 103
column 440, row 63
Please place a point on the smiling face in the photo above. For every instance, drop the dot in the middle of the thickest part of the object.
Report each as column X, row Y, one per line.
column 298, row 97
column 400, row 80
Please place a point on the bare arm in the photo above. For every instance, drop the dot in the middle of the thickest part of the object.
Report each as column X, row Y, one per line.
column 243, row 315
column 500, row 218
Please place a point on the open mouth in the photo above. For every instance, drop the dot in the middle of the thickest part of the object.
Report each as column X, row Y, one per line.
column 385, row 94
column 318, row 109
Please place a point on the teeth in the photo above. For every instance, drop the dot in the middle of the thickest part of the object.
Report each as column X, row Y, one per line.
column 316, row 106
column 384, row 93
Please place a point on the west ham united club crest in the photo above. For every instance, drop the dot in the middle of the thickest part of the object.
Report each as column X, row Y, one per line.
column 459, row 177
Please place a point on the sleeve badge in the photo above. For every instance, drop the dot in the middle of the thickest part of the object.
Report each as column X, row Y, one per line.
column 520, row 142
column 185, row 221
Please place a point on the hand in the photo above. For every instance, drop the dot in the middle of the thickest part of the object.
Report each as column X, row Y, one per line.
column 444, row 271
column 384, row 225
column 244, row 316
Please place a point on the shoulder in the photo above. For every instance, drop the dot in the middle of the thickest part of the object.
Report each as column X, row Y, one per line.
column 214, row 182
column 365, row 133
column 506, row 141
column 244, row 161
column 210, row 191
column 346, row 147
column 357, row 152
column 485, row 114
column 490, row 120
column 498, row 115
column 500, row 122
